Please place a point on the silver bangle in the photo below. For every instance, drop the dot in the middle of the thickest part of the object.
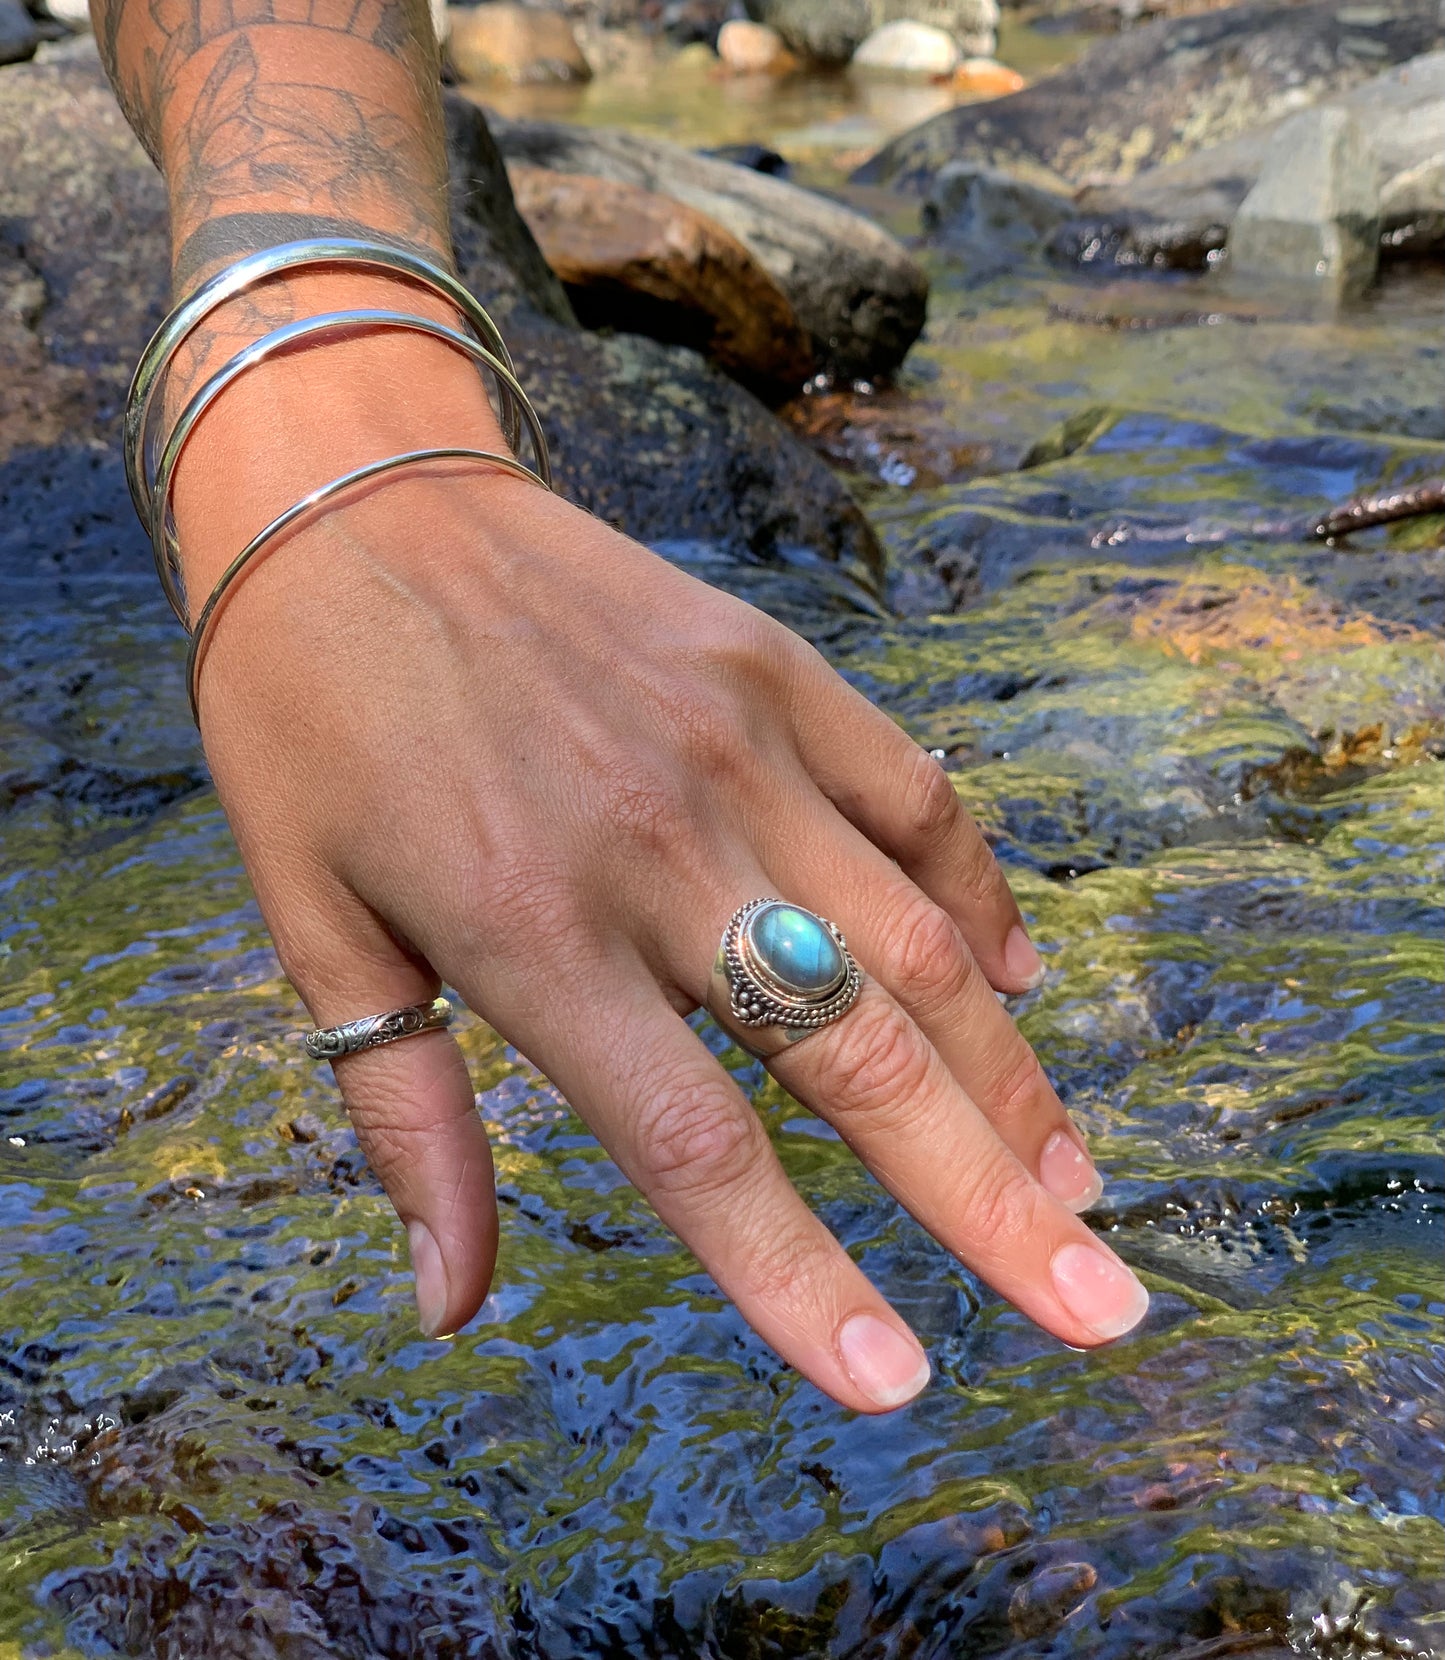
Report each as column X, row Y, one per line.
column 163, row 537
column 200, row 634
column 255, row 268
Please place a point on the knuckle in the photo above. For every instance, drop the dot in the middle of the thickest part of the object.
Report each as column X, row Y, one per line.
column 879, row 1063
column 930, row 804
column 711, row 735
column 931, row 964
column 1021, row 1086
column 524, row 897
column 1000, row 1207
column 694, row 1140
column 781, row 1270
column 979, row 875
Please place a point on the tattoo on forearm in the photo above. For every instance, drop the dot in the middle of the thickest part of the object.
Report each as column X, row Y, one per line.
column 345, row 155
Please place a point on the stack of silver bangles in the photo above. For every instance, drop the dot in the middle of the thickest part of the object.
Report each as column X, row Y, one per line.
column 151, row 464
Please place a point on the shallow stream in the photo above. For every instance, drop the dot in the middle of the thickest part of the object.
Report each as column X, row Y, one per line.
column 1209, row 748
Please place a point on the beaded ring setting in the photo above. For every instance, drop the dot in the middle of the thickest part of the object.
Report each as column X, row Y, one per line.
column 781, row 973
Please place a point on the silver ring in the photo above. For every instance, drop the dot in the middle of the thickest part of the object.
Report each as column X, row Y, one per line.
column 327, row 1043
column 781, row 973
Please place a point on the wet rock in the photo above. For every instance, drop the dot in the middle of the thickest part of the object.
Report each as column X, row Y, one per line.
column 856, row 291
column 643, row 263
column 18, row 34
column 831, row 31
column 1042, row 1604
column 1314, row 216
column 1179, row 214
column 504, row 42
column 994, row 210
column 748, row 48
column 1168, row 88
column 907, row 48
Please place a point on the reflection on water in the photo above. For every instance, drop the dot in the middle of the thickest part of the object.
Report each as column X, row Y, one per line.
column 1210, row 754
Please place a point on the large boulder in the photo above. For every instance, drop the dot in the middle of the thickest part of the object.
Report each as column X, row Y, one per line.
column 649, row 437
column 643, row 263
column 857, row 292
column 1314, row 216
column 1180, row 214
column 1168, row 88
column 830, row 31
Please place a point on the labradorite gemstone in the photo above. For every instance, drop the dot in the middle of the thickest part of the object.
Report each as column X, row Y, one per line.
column 796, row 949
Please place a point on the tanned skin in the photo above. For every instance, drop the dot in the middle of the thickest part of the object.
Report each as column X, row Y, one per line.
column 464, row 732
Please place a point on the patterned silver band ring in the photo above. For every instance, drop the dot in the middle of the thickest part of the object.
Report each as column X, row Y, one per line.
column 328, row 1043
column 781, row 974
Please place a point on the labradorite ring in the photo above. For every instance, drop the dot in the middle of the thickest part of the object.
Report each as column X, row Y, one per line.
column 781, row 973
column 329, row 1043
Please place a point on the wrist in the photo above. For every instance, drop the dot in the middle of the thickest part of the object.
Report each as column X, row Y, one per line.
column 314, row 412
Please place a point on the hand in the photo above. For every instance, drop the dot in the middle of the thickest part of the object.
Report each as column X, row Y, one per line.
column 500, row 745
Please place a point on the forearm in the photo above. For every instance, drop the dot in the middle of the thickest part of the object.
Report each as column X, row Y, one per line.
column 272, row 122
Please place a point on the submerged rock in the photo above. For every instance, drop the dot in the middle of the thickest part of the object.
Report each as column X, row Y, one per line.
column 831, row 31
column 641, row 262
column 1314, row 216
column 1179, row 214
column 993, row 210
column 502, row 42
column 1168, row 88
column 857, row 292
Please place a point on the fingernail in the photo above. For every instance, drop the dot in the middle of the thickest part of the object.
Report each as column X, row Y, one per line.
column 1098, row 1290
column 1022, row 960
column 431, row 1278
column 1068, row 1172
column 887, row 1366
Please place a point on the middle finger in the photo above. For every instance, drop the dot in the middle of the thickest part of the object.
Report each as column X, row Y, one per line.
column 916, row 949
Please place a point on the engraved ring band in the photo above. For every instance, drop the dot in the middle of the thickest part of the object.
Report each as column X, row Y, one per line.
column 329, row 1043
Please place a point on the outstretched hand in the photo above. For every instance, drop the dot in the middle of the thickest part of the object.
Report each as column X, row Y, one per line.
column 467, row 733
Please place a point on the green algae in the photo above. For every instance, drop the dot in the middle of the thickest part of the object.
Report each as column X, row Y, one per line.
column 1212, row 765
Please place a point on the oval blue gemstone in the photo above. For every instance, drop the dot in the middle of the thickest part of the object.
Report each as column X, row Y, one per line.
column 797, row 950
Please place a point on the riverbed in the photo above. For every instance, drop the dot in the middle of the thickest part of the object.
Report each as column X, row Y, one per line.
column 1208, row 747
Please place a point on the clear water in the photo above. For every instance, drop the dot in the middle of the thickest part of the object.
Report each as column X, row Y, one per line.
column 1210, row 753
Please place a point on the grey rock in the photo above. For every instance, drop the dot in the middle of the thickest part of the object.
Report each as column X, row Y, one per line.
column 997, row 212
column 18, row 35
column 1168, row 88
column 857, row 292
column 1179, row 215
column 1314, row 215
column 830, row 31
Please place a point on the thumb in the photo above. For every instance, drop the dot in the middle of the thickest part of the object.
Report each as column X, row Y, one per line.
column 414, row 1113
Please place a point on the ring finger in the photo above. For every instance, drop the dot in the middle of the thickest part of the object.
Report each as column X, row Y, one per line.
column 883, row 1086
